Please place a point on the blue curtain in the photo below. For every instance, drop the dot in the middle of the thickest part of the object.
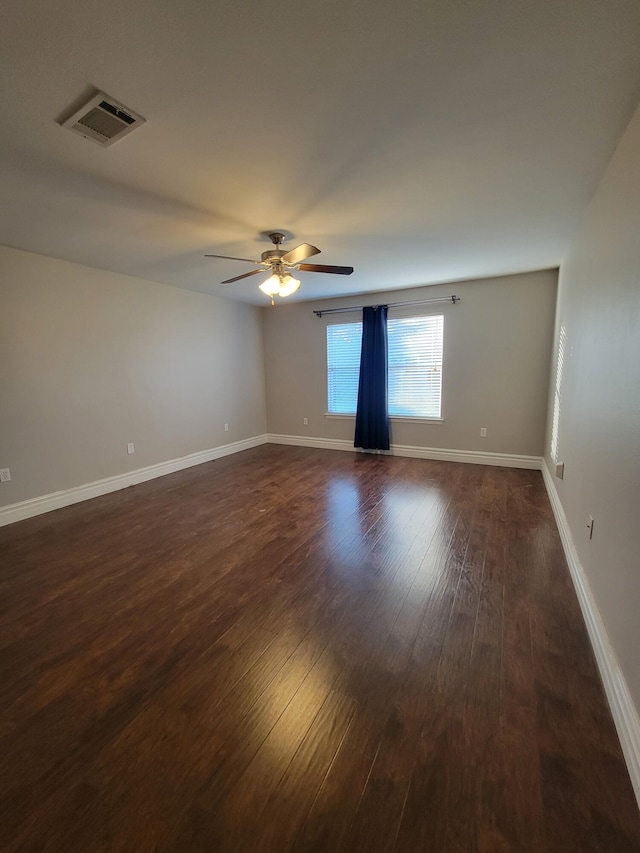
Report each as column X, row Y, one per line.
column 372, row 419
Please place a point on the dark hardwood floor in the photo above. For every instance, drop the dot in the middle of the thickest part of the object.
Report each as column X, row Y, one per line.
column 305, row 650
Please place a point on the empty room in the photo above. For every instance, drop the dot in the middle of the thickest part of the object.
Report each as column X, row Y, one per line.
column 320, row 427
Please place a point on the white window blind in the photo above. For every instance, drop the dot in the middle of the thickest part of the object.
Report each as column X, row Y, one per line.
column 415, row 366
column 344, row 341
column 415, row 346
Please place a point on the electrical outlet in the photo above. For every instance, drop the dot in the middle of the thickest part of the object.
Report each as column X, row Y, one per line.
column 560, row 470
column 305, row 421
column 131, row 448
column 226, row 427
column 5, row 475
column 483, row 432
column 590, row 527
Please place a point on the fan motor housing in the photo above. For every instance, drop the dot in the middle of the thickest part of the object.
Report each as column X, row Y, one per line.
column 271, row 256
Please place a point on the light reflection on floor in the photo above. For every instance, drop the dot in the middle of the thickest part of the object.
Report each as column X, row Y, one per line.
column 285, row 736
column 405, row 511
column 388, row 543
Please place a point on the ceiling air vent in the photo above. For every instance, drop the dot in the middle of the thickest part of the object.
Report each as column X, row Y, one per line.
column 103, row 120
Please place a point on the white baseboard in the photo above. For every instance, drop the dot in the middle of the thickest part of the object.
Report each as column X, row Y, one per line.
column 56, row 500
column 503, row 460
column 303, row 441
column 623, row 710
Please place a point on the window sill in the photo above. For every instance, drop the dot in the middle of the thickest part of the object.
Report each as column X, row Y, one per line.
column 416, row 420
column 394, row 418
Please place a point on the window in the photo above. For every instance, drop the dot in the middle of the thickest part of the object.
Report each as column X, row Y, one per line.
column 414, row 364
column 557, row 398
column 344, row 341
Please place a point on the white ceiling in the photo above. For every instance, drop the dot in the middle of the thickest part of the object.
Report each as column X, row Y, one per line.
column 418, row 141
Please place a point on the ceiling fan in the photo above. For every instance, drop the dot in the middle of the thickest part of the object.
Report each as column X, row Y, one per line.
column 280, row 264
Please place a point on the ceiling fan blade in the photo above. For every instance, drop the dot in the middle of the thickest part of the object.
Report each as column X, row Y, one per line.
column 229, row 258
column 304, row 250
column 244, row 275
column 325, row 268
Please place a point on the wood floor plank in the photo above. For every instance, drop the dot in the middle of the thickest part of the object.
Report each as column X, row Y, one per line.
column 331, row 814
column 291, row 801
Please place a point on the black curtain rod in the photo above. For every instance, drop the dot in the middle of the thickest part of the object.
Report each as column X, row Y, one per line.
column 435, row 299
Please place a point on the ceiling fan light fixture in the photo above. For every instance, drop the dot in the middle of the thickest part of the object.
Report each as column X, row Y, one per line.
column 271, row 286
column 288, row 285
column 280, row 285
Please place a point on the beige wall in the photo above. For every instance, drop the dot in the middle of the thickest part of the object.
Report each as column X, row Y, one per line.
column 90, row 360
column 599, row 422
column 497, row 354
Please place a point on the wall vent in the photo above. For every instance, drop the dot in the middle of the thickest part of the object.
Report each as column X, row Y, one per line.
column 103, row 120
